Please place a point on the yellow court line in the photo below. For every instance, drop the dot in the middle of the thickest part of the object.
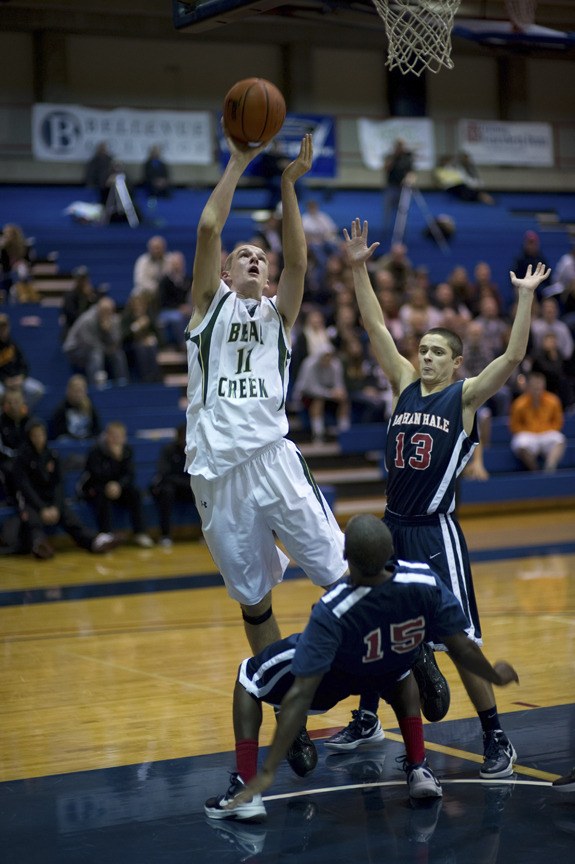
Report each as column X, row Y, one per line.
column 474, row 757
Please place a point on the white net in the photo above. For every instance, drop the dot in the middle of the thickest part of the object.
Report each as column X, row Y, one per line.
column 521, row 13
column 418, row 33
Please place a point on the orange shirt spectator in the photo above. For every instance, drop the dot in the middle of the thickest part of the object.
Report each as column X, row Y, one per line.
column 526, row 416
column 535, row 420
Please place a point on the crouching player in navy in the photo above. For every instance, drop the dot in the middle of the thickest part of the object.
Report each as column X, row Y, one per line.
column 368, row 628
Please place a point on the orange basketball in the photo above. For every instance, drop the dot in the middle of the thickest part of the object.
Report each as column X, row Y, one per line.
column 254, row 110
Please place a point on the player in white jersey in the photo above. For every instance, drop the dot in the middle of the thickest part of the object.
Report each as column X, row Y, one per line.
column 249, row 481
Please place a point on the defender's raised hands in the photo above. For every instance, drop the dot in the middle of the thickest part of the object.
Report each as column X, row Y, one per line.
column 356, row 248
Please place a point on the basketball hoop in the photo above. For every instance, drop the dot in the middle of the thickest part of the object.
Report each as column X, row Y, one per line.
column 418, row 33
column 521, row 13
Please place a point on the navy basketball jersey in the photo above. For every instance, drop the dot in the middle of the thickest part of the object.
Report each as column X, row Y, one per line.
column 426, row 450
column 375, row 632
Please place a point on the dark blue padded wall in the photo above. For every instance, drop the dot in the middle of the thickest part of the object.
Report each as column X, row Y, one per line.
column 486, row 233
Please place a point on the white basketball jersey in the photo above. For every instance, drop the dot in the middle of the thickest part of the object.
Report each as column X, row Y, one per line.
column 238, row 360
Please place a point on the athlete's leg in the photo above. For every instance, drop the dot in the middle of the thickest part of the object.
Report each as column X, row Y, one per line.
column 479, row 691
column 421, row 780
column 260, row 624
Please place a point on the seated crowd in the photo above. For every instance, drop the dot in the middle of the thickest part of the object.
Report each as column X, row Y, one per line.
column 335, row 381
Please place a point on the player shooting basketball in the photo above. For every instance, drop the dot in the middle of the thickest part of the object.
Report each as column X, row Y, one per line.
column 249, row 481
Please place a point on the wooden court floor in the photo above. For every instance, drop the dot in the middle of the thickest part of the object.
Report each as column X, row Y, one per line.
column 116, row 675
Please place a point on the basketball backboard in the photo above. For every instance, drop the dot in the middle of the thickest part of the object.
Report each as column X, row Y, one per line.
column 206, row 14
column 200, row 15
column 197, row 15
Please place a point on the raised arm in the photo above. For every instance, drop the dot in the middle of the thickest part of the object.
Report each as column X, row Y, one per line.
column 207, row 261
column 477, row 390
column 291, row 282
column 397, row 368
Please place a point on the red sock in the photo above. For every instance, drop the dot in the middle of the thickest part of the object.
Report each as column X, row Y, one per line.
column 247, row 759
column 412, row 731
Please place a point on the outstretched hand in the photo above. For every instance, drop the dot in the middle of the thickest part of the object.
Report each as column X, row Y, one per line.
column 246, row 152
column 258, row 784
column 506, row 672
column 532, row 279
column 356, row 248
column 302, row 163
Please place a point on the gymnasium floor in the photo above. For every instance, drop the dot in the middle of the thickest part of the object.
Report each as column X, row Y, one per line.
column 116, row 676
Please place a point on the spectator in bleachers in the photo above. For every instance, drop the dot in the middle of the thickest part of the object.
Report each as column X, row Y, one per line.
column 78, row 299
column 94, row 344
column 452, row 175
column 547, row 359
column 462, row 286
column 171, row 483
column 564, row 271
column 370, row 400
column 345, row 326
column 97, row 171
column 14, row 367
column 529, row 255
column 391, row 305
column 109, row 478
column 16, row 255
column 13, row 418
column 321, row 233
column 563, row 285
column 320, row 387
column 417, row 314
column 456, row 315
column 40, row 494
column 140, row 338
column 483, row 285
column 398, row 168
column 472, row 177
column 549, row 322
column 174, row 302
column 495, row 328
column 76, row 416
column 150, row 266
column 384, row 280
column 397, row 262
column 536, row 421
column 270, row 232
column 311, row 338
column 478, row 354
column 156, row 174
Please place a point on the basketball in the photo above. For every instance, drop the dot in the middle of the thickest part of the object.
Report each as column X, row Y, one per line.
column 254, row 111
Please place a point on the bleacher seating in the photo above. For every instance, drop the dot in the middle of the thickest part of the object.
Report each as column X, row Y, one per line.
column 151, row 411
column 509, row 481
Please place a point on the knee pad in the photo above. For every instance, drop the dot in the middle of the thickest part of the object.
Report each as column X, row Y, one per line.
column 258, row 619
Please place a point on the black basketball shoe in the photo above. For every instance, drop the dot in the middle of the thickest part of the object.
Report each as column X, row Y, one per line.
column 434, row 692
column 302, row 755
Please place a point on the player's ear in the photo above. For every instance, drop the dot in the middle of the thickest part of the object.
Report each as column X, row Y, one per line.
column 458, row 361
column 226, row 278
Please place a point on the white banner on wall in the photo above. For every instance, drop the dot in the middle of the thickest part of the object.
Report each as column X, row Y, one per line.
column 377, row 137
column 493, row 142
column 70, row 133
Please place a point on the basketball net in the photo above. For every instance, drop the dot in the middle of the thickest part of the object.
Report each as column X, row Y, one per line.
column 521, row 13
column 418, row 33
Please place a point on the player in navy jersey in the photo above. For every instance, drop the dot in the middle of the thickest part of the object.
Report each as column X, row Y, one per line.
column 431, row 436
column 366, row 629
